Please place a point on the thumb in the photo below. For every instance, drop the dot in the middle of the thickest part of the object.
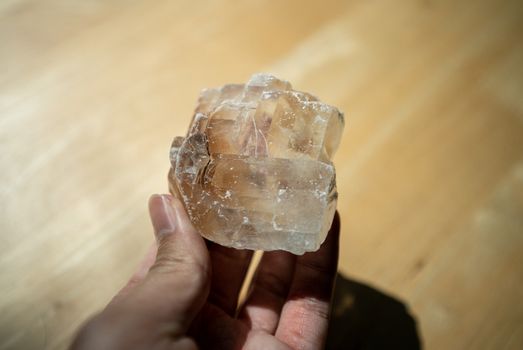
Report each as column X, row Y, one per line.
column 177, row 284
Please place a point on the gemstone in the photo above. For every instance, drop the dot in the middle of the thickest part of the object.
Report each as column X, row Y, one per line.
column 254, row 170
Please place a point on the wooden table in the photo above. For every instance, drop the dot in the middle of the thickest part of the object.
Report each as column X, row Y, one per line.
column 430, row 168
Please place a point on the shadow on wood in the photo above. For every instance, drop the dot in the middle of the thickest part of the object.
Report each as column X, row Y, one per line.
column 365, row 318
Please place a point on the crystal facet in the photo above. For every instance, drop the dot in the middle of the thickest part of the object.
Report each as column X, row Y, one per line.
column 254, row 170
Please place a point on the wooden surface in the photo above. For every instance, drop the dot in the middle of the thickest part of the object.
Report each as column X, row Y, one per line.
column 430, row 168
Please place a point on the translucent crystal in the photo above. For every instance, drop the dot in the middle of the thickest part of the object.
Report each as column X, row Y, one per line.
column 254, row 170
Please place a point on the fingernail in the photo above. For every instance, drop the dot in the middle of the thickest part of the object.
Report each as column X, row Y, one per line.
column 163, row 216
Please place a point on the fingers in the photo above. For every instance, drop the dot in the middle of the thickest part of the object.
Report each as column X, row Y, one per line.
column 229, row 268
column 304, row 318
column 269, row 291
column 176, row 286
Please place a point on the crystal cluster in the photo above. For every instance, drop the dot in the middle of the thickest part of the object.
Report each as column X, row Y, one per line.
column 254, row 170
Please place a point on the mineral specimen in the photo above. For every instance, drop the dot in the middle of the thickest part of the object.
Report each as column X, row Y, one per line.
column 254, row 170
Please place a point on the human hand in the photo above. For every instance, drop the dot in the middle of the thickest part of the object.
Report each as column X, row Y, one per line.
column 184, row 295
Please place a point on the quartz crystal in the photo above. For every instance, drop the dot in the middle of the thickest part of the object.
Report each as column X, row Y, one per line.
column 254, row 170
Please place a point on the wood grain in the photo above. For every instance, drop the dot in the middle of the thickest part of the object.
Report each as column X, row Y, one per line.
column 430, row 168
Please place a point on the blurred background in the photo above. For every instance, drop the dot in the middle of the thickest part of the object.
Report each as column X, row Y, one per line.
column 430, row 168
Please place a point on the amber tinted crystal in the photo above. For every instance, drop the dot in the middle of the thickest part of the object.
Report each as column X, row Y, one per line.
column 254, row 170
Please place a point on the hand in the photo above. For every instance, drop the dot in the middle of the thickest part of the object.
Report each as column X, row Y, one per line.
column 184, row 294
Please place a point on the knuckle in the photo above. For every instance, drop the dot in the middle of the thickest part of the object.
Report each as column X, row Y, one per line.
column 272, row 283
column 166, row 262
column 319, row 268
column 190, row 268
column 316, row 307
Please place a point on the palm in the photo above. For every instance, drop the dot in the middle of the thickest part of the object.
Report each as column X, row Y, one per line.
column 288, row 304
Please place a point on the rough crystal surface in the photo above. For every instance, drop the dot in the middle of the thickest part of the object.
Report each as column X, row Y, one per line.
column 254, row 170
